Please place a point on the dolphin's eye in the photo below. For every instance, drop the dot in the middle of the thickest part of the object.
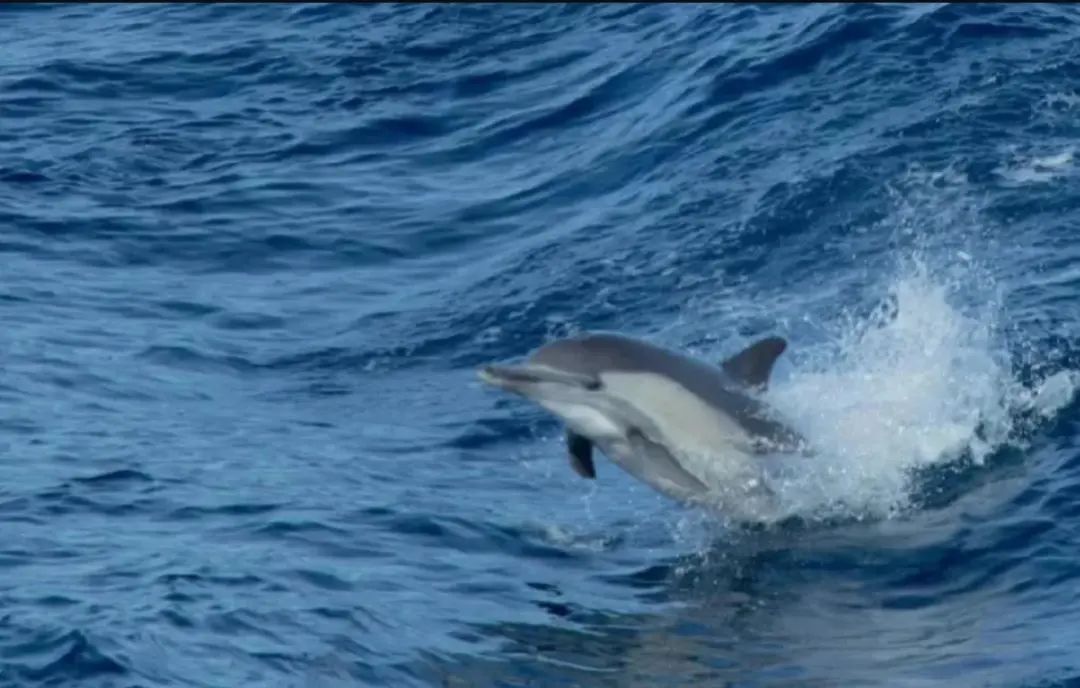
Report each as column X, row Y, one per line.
column 593, row 385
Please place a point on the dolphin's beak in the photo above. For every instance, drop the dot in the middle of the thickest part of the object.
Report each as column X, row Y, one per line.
column 518, row 378
column 493, row 375
column 509, row 378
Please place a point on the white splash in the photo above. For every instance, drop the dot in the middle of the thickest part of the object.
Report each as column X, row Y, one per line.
column 923, row 380
column 910, row 386
column 919, row 382
column 1020, row 169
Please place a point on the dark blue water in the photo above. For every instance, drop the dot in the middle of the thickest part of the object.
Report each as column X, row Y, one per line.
column 251, row 257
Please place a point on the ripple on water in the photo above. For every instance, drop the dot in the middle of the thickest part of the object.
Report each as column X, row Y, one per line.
column 253, row 254
column 51, row 656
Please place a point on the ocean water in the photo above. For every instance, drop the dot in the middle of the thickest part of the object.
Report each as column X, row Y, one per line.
column 252, row 256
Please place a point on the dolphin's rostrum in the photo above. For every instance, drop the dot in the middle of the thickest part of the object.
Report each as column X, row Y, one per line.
column 681, row 425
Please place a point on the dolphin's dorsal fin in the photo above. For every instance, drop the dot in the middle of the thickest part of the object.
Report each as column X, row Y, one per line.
column 753, row 365
column 580, row 450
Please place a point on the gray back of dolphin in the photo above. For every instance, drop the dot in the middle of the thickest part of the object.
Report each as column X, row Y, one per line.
column 730, row 387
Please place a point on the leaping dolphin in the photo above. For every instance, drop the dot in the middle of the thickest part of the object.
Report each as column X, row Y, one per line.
column 683, row 426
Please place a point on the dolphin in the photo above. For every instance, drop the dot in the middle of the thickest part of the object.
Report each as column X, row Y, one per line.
column 683, row 426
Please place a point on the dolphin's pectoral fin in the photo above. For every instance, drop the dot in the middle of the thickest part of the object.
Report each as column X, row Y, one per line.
column 753, row 365
column 580, row 450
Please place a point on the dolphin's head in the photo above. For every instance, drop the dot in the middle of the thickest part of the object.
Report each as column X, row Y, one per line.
column 566, row 377
column 578, row 380
column 538, row 382
column 568, row 367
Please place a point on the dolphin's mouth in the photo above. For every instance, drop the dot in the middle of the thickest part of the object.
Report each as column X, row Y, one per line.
column 517, row 377
column 502, row 376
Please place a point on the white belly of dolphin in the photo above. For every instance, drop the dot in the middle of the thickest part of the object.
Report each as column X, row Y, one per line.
column 587, row 420
column 707, row 441
column 618, row 430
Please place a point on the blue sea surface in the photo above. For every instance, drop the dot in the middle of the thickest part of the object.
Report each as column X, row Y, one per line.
column 252, row 256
